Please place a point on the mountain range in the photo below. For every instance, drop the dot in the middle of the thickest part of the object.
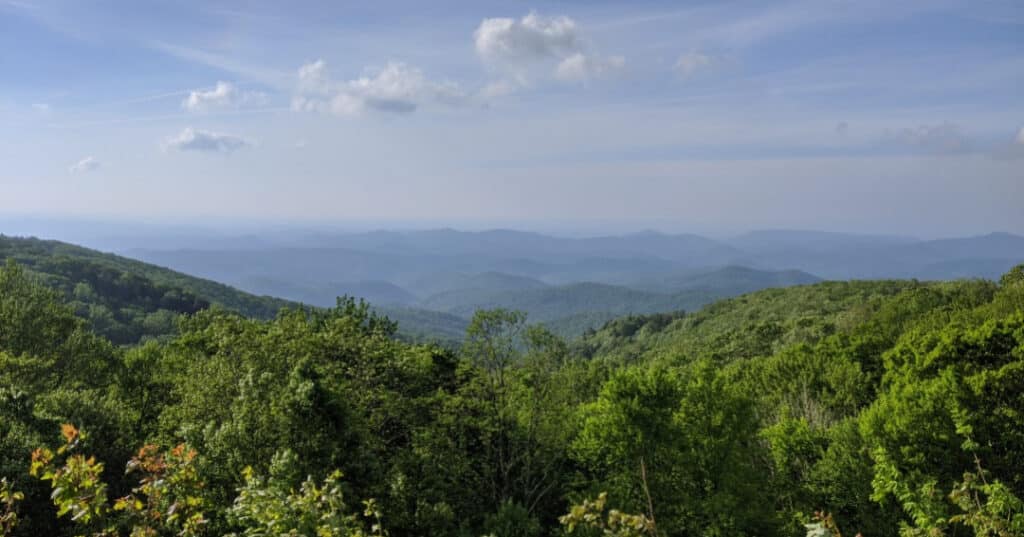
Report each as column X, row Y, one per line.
column 570, row 281
column 432, row 281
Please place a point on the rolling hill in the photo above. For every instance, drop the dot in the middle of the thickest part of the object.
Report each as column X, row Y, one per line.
column 376, row 292
column 749, row 325
column 425, row 263
column 432, row 281
column 869, row 257
column 39, row 253
column 731, row 280
column 574, row 308
column 128, row 300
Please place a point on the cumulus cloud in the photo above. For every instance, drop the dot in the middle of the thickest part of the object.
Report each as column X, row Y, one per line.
column 205, row 141
column 516, row 47
column 692, row 63
column 580, row 67
column 223, row 95
column 505, row 40
column 942, row 139
column 396, row 88
column 313, row 78
column 85, row 165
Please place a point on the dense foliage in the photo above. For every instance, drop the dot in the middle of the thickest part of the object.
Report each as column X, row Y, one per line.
column 126, row 300
column 889, row 407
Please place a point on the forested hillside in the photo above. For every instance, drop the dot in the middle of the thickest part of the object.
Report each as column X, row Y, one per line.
column 558, row 268
column 875, row 407
column 571, row 284
column 126, row 300
column 31, row 252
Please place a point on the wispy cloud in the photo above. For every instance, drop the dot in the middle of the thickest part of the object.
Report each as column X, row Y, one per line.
column 941, row 139
column 53, row 16
column 222, row 96
column 396, row 88
column 250, row 71
column 84, row 165
column 205, row 141
column 580, row 67
column 18, row 4
column 130, row 100
column 764, row 21
column 166, row 117
column 692, row 62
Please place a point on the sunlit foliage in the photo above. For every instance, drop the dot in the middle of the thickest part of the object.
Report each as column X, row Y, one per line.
column 876, row 407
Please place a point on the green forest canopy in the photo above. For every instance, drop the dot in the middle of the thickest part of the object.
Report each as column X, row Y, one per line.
column 888, row 406
column 129, row 301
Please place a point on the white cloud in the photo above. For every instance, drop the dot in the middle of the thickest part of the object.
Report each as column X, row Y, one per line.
column 505, row 40
column 580, row 67
column 514, row 47
column 313, row 78
column 198, row 140
column 693, row 62
column 223, row 95
column 41, row 107
column 85, row 165
column 397, row 88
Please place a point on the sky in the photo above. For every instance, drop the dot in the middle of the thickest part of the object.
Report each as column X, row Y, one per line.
column 864, row 116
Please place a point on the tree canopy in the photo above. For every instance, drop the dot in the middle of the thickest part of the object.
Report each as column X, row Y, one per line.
column 887, row 407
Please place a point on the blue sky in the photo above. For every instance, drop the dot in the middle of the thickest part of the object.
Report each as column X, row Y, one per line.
column 901, row 117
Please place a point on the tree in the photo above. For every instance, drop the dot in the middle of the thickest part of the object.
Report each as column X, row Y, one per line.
column 524, row 411
column 273, row 507
column 630, row 430
column 614, row 523
column 954, row 397
column 1014, row 277
column 681, row 447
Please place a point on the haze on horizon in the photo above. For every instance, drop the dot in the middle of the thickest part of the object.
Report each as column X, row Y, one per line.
column 707, row 117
